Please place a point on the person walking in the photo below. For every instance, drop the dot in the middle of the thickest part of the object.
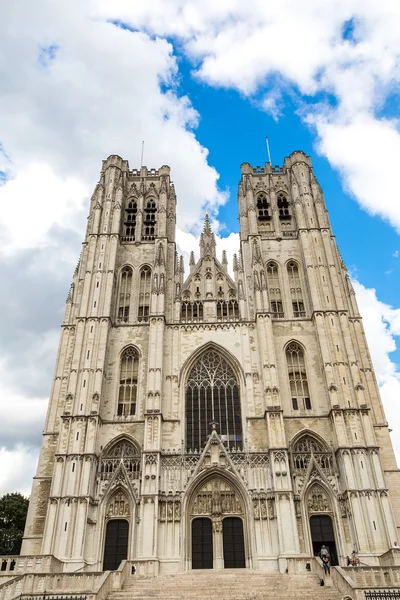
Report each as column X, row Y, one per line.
column 326, row 564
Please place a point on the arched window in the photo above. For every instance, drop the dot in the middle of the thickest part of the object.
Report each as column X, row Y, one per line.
column 212, row 395
column 128, row 380
column 297, row 377
column 124, row 299
column 263, row 207
column 149, row 222
column 274, row 291
column 306, row 446
column 295, row 290
column 130, row 219
column 125, row 452
column 283, row 206
column 144, row 294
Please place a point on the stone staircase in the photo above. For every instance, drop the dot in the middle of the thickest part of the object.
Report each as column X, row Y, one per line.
column 227, row 584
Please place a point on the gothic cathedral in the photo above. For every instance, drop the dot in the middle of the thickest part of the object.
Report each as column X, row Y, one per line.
column 212, row 421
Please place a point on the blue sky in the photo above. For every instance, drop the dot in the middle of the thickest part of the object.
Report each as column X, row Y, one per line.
column 203, row 83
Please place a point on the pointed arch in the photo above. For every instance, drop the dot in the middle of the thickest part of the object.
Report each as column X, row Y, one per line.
column 233, row 361
column 123, row 437
column 128, row 381
column 144, row 293
column 130, row 216
column 212, row 393
column 282, row 204
column 296, row 292
column 307, row 432
column 263, row 206
column 297, row 375
column 149, row 219
column 274, row 290
column 309, row 450
column 124, row 294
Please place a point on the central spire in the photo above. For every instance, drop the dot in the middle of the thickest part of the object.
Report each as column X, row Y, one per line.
column 207, row 240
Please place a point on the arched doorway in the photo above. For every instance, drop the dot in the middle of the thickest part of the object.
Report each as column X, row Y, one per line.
column 233, row 543
column 216, row 519
column 116, row 544
column 202, row 544
column 322, row 533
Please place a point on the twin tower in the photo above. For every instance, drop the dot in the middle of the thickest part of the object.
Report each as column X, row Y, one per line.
column 209, row 421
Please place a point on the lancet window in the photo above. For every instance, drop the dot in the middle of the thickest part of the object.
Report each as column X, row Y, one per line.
column 308, row 446
column 212, row 397
column 263, row 207
column 128, row 382
column 283, row 206
column 124, row 298
column 297, row 377
column 122, row 452
column 274, row 291
column 144, row 294
column 192, row 311
column 130, row 220
column 227, row 310
column 295, row 290
column 149, row 222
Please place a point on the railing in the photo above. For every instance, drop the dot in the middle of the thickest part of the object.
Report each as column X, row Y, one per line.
column 16, row 564
column 47, row 597
column 382, row 595
column 278, row 315
column 299, row 314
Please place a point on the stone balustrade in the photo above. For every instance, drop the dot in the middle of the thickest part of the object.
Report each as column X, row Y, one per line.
column 30, row 564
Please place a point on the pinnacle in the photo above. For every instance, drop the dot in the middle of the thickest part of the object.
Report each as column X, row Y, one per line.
column 207, row 226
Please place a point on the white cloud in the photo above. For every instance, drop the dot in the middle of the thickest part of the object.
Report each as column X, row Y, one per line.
column 249, row 45
column 382, row 327
column 17, row 468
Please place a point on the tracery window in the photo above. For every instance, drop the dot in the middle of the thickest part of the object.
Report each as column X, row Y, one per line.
column 128, row 381
column 295, row 290
column 307, row 446
column 263, row 207
column 125, row 452
column 283, row 206
column 274, row 291
column 149, row 222
column 130, row 220
column 124, row 298
column 144, row 294
column 297, row 377
column 212, row 395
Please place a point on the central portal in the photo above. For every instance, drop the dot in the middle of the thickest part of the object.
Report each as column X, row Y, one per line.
column 217, row 528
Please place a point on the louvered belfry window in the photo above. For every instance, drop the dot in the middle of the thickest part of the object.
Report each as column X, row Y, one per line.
column 212, row 395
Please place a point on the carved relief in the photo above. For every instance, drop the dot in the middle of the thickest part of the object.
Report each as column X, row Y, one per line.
column 318, row 500
column 216, row 498
column 118, row 506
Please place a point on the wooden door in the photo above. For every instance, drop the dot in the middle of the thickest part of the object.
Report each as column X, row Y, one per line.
column 234, row 556
column 202, row 544
column 116, row 546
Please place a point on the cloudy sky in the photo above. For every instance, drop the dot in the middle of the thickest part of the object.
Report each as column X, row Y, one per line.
column 202, row 82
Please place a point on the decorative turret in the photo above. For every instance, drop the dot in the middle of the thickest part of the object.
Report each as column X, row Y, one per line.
column 224, row 261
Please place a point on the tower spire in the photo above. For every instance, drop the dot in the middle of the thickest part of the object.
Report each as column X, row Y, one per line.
column 207, row 240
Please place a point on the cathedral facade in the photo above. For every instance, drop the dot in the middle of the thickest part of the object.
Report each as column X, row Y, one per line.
column 212, row 421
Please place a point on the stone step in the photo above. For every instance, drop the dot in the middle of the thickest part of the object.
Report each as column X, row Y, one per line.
column 227, row 584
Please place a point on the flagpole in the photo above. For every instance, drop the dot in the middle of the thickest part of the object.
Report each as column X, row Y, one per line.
column 141, row 159
column 269, row 154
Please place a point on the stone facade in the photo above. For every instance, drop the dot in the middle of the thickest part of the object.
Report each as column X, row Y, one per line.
column 181, row 402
